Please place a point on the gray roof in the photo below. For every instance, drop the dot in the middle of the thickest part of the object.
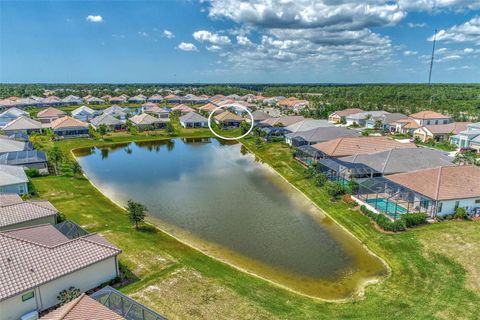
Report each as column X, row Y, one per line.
column 308, row 124
column 12, row 175
column 18, row 158
column 115, row 110
column 82, row 108
column 23, row 211
column 8, row 145
column 23, row 123
column 401, row 160
column 106, row 119
column 393, row 117
column 193, row 117
column 363, row 115
column 260, row 115
column 324, row 134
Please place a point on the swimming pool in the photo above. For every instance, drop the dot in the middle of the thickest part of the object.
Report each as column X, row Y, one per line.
column 388, row 207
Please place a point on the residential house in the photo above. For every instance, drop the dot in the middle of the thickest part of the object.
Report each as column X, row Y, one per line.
column 293, row 104
column 156, row 98
column 39, row 261
column 8, row 103
column 72, row 100
column 13, row 180
column 386, row 122
column 426, row 118
column 258, row 116
column 94, row 100
column 440, row 191
column 116, row 111
column 144, row 121
column 340, row 115
column 108, row 120
column 84, row 113
column 117, row 100
column 22, row 126
column 308, row 124
column 320, row 134
column 172, row 98
column 183, row 109
column 29, row 102
column 16, row 213
column 68, row 127
column 362, row 118
column 209, row 108
column 33, row 159
column 440, row 132
column 53, row 101
column 138, row 99
column 406, row 126
column 10, row 115
column 9, row 145
column 281, row 121
column 157, row 111
column 228, row 119
column 193, row 120
column 50, row 114
column 469, row 138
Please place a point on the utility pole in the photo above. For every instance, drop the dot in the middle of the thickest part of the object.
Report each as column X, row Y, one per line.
column 433, row 56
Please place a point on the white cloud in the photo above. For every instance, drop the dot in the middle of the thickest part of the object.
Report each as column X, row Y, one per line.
column 417, row 25
column 438, row 5
column 467, row 32
column 185, row 46
column 244, row 41
column 142, row 34
column 168, row 34
column 211, row 38
column 409, row 53
column 92, row 18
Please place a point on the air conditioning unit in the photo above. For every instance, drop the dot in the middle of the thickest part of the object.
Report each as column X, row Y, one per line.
column 30, row 316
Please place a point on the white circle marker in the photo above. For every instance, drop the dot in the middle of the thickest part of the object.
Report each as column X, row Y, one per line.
column 228, row 138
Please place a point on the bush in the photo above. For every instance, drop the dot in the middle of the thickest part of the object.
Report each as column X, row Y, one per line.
column 67, row 295
column 414, row 219
column 334, row 189
column 32, row 173
column 310, row 171
column 461, row 213
column 384, row 222
column 320, row 179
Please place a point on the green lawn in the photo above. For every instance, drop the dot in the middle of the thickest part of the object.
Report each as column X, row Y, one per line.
column 432, row 276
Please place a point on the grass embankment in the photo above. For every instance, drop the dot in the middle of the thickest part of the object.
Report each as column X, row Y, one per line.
column 429, row 265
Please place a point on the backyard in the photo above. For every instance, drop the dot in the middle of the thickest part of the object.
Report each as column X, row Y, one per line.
column 428, row 263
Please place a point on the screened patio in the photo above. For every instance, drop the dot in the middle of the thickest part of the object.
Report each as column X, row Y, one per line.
column 338, row 170
column 392, row 199
column 307, row 155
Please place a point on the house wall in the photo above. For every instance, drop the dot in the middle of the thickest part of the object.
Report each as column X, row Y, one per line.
column 448, row 207
column 46, row 294
column 21, row 131
column 19, row 188
column 51, row 220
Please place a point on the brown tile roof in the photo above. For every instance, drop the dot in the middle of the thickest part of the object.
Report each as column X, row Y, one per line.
column 42, row 234
column 7, row 199
column 428, row 114
column 146, row 119
column 23, row 123
column 347, row 112
column 18, row 212
column 82, row 308
column 209, row 107
column 50, row 112
column 228, row 116
column 348, row 146
column 286, row 121
column 183, row 108
column 442, row 183
column 149, row 105
column 67, row 122
column 26, row 264
column 454, row 127
column 408, row 123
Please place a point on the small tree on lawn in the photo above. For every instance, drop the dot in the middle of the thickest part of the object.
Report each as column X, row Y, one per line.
column 136, row 212
column 169, row 128
column 67, row 295
column 102, row 129
column 334, row 189
column 55, row 155
column 320, row 179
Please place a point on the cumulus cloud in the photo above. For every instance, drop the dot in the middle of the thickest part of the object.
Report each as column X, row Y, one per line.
column 409, row 53
column 93, row 18
column 243, row 41
column 168, row 34
column 185, row 46
column 437, row 5
column 211, row 38
column 142, row 34
column 467, row 32
column 416, row 25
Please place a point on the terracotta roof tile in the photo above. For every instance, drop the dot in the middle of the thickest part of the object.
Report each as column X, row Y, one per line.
column 67, row 122
column 428, row 114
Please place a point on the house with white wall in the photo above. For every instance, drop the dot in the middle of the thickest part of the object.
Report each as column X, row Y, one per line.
column 469, row 138
column 13, row 180
column 427, row 117
column 38, row 262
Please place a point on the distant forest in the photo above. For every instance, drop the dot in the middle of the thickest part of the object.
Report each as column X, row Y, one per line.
column 461, row 101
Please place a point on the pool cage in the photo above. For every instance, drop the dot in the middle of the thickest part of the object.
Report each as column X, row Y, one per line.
column 124, row 306
column 343, row 171
column 70, row 229
column 392, row 199
column 307, row 155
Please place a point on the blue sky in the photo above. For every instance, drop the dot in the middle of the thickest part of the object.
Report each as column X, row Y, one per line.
column 239, row 41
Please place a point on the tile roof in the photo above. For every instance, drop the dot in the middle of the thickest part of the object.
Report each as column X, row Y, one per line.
column 454, row 127
column 50, row 112
column 44, row 234
column 81, row 109
column 228, row 116
column 106, row 119
column 193, row 117
column 308, row 124
column 82, row 308
column 9, row 198
column 183, row 108
column 324, row 134
column 408, row 123
column 23, row 123
column 8, row 145
column 146, row 119
column 442, row 183
column 285, row 121
column 67, row 122
column 14, row 112
column 27, row 264
column 259, row 115
column 428, row 115
column 358, row 145
column 12, row 175
column 14, row 212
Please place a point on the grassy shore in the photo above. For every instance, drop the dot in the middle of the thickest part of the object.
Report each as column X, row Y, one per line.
column 435, row 270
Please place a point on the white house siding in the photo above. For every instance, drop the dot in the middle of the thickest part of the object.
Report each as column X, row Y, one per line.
column 448, row 207
column 20, row 188
column 44, row 220
column 46, row 294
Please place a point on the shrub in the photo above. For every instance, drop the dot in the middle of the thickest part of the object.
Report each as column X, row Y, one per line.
column 334, row 189
column 384, row 222
column 320, row 179
column 461, row 213
column 414, row 219
column 310, row 171
column 31, row 173
column 67, row 295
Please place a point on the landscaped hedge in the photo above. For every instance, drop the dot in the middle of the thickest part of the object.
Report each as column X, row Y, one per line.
column 414, row 219
column 384, row 222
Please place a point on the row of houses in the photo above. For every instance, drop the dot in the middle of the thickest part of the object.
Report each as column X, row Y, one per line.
column 41, row 257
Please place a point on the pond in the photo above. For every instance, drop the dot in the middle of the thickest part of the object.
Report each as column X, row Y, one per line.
column 216, row 197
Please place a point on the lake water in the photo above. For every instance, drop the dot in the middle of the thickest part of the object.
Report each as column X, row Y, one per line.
column 219, row 199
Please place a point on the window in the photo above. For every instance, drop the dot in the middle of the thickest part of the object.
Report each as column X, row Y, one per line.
column 440, row 205
column 477, row 201
column 457, row 204
column 21, row 189
column 28, row 296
